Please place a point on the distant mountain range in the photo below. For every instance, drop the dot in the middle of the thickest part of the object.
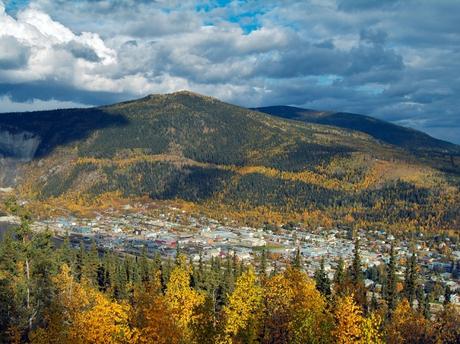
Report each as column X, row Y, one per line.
column 264, row 163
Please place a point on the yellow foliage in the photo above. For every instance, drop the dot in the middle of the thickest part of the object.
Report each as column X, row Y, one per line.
column 295, row 310
column 371, row 333
column 406, row 326
column 181, row 299
column 83, row 315
column 349, row 321
column 244, row 308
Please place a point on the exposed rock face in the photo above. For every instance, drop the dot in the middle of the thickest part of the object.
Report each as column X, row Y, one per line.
column 19, row 146
column 16, row 148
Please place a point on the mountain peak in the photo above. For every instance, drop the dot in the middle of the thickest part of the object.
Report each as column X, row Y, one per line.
column 180, row 93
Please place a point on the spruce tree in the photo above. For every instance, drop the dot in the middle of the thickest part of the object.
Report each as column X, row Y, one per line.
column 144, row 266
column 297, row 260
column 391, row 296
column 356, row 272
column 426, row 306
column 410, row 279
column 323, row 283
column 420, row 296
column 263, row 262
column 90, row 264
column 447, row 295
column 339, row 277
column 374, row 303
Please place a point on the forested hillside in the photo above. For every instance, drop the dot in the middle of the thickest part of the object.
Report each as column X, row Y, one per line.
column 438, row 153
column 228, row 159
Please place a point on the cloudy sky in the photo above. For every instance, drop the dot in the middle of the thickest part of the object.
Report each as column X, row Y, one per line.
column 396, row 60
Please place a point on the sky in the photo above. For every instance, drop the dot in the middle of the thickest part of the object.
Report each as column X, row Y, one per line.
column 395, row 60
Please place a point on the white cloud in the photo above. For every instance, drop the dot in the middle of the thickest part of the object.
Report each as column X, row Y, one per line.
column 393, row 60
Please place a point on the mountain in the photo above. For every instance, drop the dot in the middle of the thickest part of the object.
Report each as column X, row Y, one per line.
column 225, row 159
column 424, row 146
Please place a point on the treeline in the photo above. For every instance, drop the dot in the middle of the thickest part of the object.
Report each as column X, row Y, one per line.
column 66, row 295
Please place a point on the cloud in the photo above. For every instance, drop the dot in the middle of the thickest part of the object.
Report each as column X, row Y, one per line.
column 391, row 59
column 13, row 54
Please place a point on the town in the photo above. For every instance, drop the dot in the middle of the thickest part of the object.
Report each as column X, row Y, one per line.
column 140, row 230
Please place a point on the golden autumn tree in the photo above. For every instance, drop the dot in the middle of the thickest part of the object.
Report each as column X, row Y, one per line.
column 447, row 325
column 181, row 299
column 407, row 326
column 242, row 313
column 349, row 321
column 371, row 329
column 151, row 316
column 295, row 311
column 83, row 315
column 105, row 322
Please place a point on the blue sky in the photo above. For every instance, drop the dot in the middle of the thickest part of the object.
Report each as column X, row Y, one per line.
column 391, row 59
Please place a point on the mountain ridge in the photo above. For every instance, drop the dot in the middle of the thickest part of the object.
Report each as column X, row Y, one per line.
column 333, row 118
column 184, row 146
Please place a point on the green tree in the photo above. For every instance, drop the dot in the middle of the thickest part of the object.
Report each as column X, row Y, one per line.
column 323, row 283
column 339, row 278
column 410, row 279
column 391, row 292
column 297, row 260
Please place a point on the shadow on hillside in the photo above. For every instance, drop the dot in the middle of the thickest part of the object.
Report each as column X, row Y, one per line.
column 59, row 127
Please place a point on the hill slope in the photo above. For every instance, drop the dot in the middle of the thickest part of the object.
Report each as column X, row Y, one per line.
column 424, row 146
column 184, row 146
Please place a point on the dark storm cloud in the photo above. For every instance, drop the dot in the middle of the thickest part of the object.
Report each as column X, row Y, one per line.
column 82, row 51
column 392, row 59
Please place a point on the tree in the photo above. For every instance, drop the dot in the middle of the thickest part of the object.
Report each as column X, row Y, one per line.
column 83, row 315
column 348, row 320
column 339, row 278
column 90, row 264
column 297, row 260
column 263, row 262
column 447, row 325
column 447, row 295
column 390, row 290
column 370, row 329
column 181, row 299
column 295, row 311
column 243, row 311
column 410, row 279
column 426, row 306
column 151, row 315
column 356, row 272
column 407, row 326
column 356, row 278
column 323, row 283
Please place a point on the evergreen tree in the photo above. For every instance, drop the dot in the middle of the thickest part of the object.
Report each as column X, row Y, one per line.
column 391, row 292
column 145, row 266
column 90, row 264
column 297, row 260
column 339, row 277
column 66, row 253
column 79, row 262
column 323, row 283
column 356, row 272
column 426, row 306
column 374, row 303
column 263, row 262
column 410, row 279
column 447, row 295
column 420, row 296
column 43, row 268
